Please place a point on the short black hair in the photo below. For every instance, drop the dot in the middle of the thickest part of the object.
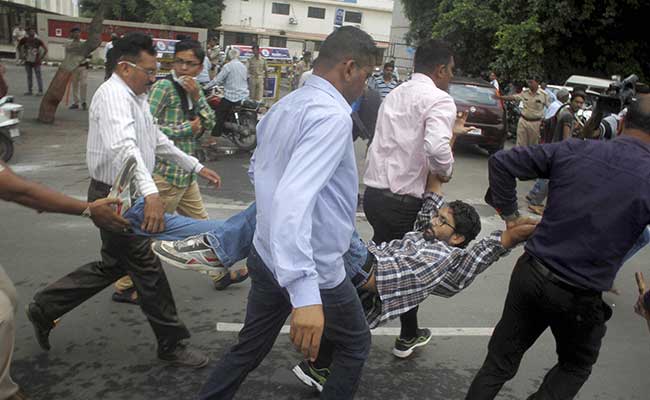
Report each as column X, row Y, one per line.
column 347, row 43
column 389, row 64
column 579, row 93
column 430, row 54
column 466, row 220
column 190, row 44
column 75, row 29
column 638, row 114
column 132, row 44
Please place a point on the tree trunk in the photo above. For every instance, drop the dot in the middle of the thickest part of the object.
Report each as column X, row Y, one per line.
column 56, row 90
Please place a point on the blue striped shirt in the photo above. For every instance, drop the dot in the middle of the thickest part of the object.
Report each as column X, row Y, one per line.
column 234, row 79
column 306, row 186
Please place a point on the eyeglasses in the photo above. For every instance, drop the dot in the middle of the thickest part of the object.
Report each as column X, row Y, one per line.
column 440, row 220
column 150, row 72
column 188, row 64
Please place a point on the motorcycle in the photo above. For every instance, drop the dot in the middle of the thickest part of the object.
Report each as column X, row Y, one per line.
column 10, row 114
column 241, row 123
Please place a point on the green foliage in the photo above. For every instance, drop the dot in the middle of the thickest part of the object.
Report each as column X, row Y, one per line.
column 522, row 38
column 194, row 13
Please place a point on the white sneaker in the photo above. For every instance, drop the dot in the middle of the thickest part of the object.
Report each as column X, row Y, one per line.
column 123, row 187
column 192, row 253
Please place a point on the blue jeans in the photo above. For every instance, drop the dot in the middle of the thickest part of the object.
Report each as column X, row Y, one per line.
column 267, row 310
column 232, row 239
column 539, row 192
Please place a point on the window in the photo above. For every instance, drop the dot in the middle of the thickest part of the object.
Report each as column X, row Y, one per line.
column 316, row 12
column 353, row 17
column 280, row 8
column 277, row 41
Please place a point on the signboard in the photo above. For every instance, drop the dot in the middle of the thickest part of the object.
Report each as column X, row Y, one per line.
column 338, row 17
column 269, row 53
column 164, row 46
column 61, row 28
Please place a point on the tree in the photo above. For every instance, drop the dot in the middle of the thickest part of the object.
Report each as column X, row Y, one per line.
column 193, row 13
column 72, row 60
column 522, row 38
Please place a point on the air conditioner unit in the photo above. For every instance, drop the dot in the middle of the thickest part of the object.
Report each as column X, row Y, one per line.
column 293, row 21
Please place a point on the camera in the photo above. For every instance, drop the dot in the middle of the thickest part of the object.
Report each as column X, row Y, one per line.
column 618, row 95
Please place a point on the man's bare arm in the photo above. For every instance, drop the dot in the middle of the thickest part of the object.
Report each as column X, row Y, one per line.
column 38, row 197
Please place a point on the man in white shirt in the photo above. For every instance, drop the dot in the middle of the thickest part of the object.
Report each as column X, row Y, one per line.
column 412, row 140
column 122, row 127
column 493, row 80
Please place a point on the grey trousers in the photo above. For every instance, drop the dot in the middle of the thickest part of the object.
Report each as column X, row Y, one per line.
column 8, row 300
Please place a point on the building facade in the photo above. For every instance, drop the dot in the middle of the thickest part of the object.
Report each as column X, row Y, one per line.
column 301, row 25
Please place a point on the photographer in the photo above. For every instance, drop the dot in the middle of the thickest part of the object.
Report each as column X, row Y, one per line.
column 606, row 120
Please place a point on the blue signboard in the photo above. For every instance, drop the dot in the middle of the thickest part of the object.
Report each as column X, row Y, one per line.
column 338, row 17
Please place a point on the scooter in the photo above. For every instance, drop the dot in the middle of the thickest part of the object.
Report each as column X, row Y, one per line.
column 241, row 123
column 10, row 115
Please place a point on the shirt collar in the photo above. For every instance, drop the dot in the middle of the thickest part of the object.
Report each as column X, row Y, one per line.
column 317, row 82
column 120, row 82
column 420, row 77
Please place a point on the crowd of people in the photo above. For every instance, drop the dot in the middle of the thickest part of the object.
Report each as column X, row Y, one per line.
column 304, row 257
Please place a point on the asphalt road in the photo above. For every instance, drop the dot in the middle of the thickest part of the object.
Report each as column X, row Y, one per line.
column 104, row 350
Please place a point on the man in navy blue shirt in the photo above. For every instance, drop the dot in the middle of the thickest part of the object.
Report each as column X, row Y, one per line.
column 574, row 254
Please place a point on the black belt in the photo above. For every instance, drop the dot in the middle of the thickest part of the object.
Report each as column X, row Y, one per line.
column 404, row 198
column 557, row 279
column 368, row 267
column 531, row 119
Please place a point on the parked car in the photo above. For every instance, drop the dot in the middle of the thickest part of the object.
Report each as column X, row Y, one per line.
column 486, row 113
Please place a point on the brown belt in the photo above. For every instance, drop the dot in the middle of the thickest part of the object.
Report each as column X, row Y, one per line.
column 531, row 119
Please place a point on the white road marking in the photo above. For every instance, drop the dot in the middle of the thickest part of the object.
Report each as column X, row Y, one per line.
column 382, row 331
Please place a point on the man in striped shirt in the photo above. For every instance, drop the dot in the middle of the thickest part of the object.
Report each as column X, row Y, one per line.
column 386, row 82
column 122, row 128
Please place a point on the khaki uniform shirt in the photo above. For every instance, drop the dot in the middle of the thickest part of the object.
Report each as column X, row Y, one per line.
column 534, row 104
column 256, row 67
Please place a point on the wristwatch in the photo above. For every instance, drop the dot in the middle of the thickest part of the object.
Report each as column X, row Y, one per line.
column 86, row 213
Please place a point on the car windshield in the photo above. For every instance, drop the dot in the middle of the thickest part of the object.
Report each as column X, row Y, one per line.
column 473, row 94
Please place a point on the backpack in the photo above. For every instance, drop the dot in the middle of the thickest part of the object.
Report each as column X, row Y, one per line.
column 547, row 128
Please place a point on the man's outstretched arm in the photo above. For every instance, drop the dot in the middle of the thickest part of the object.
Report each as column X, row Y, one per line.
column 432, row 201
column 463, row 266
column 38, row 197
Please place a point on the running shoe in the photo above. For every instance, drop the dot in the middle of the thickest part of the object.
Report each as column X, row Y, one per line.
column 193, row 253
column 310, row 375
column 124, row 186
column 404, row 347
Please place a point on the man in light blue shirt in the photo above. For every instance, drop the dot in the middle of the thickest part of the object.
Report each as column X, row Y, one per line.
column 306, row 187
column 234, row 79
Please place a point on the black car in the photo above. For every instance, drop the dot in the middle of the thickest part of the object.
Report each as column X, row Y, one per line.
column 486, row 113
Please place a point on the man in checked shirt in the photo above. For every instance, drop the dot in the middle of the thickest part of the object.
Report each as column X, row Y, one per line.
column 391, row 278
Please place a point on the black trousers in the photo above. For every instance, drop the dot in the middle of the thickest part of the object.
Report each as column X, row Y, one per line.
column 267, row 310
column 122, row 253
column 221, row 113
column 391, row 218
column 536, row 302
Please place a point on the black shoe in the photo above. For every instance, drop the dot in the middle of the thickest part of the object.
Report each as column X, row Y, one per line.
column 310, row 375
column 183, row 356
column 84, row 106
column 227, row 280
column 404, row 347
column 75, row 106
column 42, row 326
column 128, row 296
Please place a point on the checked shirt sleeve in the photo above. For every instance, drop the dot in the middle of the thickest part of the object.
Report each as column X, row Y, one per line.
column 462, row 265
column 432, row 202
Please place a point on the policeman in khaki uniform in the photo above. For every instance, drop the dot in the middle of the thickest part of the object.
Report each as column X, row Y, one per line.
column 256, row 74
column 535, row 101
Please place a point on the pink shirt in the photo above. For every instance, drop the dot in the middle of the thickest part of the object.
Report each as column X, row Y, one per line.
column 412, row 137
